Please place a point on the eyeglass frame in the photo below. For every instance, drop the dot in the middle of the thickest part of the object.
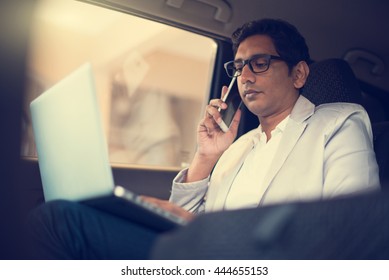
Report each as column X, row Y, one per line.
column 248, row 61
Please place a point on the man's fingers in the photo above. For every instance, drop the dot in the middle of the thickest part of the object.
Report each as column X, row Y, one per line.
column 170, row 207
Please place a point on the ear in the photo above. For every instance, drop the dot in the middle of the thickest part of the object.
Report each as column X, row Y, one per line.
column 300, row 74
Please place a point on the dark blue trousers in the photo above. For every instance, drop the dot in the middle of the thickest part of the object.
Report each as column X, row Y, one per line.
column 69, row 230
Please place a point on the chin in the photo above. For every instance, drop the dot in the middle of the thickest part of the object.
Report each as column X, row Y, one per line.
column 256, row 110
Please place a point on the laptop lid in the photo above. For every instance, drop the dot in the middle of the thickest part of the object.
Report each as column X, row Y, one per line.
column 70, row 141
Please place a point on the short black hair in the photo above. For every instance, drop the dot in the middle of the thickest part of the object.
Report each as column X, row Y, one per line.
column 288, row 41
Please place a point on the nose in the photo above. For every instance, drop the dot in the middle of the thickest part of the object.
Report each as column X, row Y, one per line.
column 247, row 75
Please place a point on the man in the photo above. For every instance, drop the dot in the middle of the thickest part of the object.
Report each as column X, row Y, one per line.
column 298, row 152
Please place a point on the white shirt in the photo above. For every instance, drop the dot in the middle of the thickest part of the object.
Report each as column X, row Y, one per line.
column 245, row 189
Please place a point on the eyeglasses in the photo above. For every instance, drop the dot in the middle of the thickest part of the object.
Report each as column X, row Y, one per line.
column 258, row 64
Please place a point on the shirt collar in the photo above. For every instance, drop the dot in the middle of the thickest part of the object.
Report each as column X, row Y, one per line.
column 279, row 128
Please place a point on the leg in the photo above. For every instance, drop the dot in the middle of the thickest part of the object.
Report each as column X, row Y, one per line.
column 70, row 230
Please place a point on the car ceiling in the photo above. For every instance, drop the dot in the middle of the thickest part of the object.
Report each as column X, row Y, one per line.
column 356, row 30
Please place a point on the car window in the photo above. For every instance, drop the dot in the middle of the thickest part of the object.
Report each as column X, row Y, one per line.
column 152, row 80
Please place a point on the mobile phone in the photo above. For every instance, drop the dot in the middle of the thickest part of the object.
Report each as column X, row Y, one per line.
column 233, row 101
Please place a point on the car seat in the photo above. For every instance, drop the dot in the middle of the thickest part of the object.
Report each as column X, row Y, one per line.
column 333, row 80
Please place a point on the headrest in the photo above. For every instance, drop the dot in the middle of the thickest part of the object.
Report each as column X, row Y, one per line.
column 331, row 80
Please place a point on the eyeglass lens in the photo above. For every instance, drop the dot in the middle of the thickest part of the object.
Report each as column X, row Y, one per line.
column 257, row 64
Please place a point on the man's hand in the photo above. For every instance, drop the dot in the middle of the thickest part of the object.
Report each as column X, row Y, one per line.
column 170, row 207
column 211, row 140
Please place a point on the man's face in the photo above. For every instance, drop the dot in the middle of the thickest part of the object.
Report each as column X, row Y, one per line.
column 269, row 93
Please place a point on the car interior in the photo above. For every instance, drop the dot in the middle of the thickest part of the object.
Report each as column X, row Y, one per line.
column 159, row 62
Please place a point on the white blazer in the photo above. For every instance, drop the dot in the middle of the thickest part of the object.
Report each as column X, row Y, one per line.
column 325, row 152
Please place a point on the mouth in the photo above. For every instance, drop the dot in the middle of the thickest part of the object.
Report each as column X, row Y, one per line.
column 250, row 93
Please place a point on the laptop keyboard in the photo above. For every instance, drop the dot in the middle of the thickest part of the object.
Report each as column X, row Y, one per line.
column 128, row 195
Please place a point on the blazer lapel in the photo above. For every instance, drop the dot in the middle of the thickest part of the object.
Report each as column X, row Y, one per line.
column 302, row 110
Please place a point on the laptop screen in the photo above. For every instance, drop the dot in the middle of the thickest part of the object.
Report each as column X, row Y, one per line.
column 71, row 145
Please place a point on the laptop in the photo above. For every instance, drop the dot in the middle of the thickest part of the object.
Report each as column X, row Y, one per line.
column 73, row 155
